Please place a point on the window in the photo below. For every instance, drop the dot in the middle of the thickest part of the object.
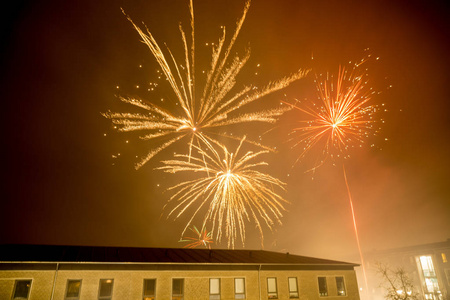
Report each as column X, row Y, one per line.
column 272, row 288
column 105, row 289
column 428, row 276
column 340, row 286
column 214, row 288
column 177, row 288
column 293, row 287
column 73, row 289
column 323, row 291
column 149, row 289
column 22, row 289
column 239, row 288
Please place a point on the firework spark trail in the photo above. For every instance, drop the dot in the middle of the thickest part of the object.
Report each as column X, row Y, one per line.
column 229, row 188
column 203, row 238
column 212, row 109
column 356, row 228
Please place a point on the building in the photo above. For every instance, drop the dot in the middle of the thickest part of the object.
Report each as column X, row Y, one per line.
column 427, row 265
column 87, row 273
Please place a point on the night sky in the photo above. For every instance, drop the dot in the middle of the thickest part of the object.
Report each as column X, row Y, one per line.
column 63, row 60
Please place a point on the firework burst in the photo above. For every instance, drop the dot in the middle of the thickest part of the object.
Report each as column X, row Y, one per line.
column 229, row 189
column 201, row 115
column 202, row 238
column 341, row 119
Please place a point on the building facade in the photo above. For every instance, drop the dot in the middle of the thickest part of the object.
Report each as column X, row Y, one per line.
column 427, row 265
column 87, row 273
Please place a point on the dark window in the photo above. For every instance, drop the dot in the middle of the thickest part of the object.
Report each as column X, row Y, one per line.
column 22, row 289
column 340, row 286
column 272, row 292
column 149, row 289
column 73, row 289
column 239, row 288
column 293, row 287
column 214, row 288
column 177, row 288
column 105, row 289
column 323, row 290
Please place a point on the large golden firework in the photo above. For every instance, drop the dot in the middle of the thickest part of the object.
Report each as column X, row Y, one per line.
column 342, row 117
column 229, row 189
column 215, row 104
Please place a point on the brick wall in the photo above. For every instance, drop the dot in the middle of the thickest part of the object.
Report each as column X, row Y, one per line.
column 41, row 285
column 128, row 284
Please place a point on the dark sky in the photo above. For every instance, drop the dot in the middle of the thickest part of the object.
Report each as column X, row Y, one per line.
column 62, row 61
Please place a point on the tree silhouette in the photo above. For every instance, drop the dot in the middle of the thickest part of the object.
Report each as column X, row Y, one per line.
column 396, row 283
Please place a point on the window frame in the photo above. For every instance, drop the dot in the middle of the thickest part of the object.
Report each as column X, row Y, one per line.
column 337, row 286
column 214, row 296
column 67, row 289
column 447, row 274
column 276, row 289
column 296, row 288
column 100, row 287
column 236, row 294
column 15, row 288
column 144, row 296
column 326, row 286
column 178, row 296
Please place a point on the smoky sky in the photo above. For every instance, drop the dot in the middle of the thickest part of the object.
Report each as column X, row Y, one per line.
column 63, row 60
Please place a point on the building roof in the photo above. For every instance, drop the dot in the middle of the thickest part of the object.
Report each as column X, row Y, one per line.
column 47, row 253
column 422, row 248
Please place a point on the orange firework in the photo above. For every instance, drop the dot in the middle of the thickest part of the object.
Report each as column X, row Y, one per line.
column 342, row 117
column 203, row 238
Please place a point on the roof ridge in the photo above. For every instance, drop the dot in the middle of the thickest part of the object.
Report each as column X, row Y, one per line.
column 22, row 252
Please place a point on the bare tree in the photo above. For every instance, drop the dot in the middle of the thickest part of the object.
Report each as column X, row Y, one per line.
column 397, row 284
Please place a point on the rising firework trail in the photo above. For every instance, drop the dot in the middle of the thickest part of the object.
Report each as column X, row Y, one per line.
column 203, row 109
column 202, row 238
column 340, row 120
column 355, row 227
column 229, row 191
